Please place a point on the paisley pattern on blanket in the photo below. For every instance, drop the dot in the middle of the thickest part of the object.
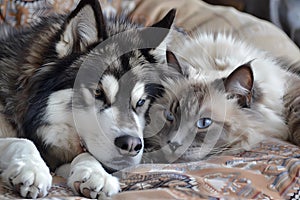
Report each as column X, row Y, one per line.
column 271, row 170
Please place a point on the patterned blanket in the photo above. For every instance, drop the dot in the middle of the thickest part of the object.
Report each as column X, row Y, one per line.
column 270, row 170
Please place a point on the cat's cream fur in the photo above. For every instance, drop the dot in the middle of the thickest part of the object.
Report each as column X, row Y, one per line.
column 211, row 87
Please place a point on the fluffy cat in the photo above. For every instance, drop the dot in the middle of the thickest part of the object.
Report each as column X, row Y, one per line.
column 230, row 96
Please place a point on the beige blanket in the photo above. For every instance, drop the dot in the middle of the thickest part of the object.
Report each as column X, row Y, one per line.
column 269, row 171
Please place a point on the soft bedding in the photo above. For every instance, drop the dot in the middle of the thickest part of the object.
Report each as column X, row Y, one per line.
column 270, row 170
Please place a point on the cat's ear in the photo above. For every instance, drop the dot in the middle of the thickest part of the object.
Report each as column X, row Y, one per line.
column 83, row 27
column 239, row 84
column 173, row 62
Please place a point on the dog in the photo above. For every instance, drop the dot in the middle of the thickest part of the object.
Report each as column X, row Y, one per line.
column 74, row 94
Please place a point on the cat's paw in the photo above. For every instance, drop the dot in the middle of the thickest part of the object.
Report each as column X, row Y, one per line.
column 30, row 177
column 92, row 181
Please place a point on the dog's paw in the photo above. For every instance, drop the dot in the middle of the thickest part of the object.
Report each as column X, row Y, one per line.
column 92, row 181
column 30, row 177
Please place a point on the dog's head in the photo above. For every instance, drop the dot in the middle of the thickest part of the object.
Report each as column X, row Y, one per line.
column 116, row 82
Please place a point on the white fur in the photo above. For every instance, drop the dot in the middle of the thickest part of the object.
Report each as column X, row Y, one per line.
column 99, row 133
column 58, row 102
column 86, row 173
column 138, row 92
column 140, row 121
column 97, row 130
column 21, row 163
column 65, row 130
column 217, row 56
column 206, row 58
column 61, row 132
column 111, row 87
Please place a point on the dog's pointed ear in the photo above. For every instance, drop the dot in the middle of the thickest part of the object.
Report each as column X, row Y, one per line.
column 154, row 35
column 164, row 24
column 173, row 62
column 239, row 84
column 167, row 20
column 83, row 27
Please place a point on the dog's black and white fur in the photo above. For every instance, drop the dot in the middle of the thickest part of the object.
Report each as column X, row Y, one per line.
column 40, row 101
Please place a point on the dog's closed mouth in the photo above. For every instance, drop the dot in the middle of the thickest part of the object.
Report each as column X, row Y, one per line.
column 116, row 164
column 109, row 169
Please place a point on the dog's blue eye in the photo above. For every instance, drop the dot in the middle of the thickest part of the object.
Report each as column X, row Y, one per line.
column 204, row 123
column 169, row 116
column 140, row 102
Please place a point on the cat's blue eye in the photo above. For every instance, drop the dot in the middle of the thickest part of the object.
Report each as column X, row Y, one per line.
column 204, row 123
column 169, row 116
column 140, row 102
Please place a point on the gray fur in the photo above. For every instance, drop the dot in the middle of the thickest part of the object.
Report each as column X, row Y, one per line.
column 41, row 98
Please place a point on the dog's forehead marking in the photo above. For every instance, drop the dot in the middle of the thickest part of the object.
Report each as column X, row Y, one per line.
column 137, row 92
column 110, row 86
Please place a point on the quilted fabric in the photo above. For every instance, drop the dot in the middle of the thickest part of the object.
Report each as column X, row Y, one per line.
column 269, row 171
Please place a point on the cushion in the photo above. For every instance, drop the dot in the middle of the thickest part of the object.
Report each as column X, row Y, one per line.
column 270, row 170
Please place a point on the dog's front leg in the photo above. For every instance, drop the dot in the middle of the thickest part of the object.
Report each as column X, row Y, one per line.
column 23, row 169
column 88, row 177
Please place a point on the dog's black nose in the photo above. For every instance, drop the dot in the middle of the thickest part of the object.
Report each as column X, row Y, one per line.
column 129, row 145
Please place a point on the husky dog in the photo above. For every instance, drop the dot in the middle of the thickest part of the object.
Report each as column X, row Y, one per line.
column 103, row 113
column 230, row 97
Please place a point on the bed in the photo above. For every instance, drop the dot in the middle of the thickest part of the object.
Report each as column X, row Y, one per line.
column 270, row 170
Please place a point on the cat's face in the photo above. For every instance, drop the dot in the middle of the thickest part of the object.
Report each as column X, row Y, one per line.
column 201, row 116
column 187, row 122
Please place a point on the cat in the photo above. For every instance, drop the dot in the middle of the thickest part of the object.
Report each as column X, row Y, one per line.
column 229, row 97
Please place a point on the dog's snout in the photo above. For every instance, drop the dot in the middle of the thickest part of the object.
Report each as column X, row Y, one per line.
column 129, row 145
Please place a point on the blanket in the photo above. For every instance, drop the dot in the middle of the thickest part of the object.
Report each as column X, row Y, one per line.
column 270, row 170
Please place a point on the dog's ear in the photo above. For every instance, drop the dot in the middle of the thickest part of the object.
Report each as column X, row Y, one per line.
column 239, row 84
column 167, row 20
column 154, row 35
column 83, row 27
